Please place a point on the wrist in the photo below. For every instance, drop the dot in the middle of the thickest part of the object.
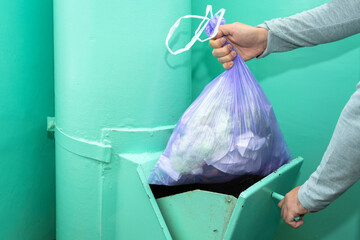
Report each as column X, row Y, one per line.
column 262, row 38
column 300, row 205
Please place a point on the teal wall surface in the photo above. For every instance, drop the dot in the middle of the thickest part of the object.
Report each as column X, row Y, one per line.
column 308, row 88
column 27, row 188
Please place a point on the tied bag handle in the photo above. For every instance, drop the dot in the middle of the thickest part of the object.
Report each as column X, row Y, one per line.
column 198, row 31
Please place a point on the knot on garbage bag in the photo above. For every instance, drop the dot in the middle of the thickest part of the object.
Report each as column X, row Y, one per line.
column 209, row 29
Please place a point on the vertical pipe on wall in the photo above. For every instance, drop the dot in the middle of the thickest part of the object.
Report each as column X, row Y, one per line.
column 112, row 71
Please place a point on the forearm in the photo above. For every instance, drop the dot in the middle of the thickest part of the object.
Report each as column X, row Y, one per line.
column 340, row 166
column 329, row 22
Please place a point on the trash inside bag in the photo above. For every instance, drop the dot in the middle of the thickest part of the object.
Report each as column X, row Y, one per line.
column 229, row 131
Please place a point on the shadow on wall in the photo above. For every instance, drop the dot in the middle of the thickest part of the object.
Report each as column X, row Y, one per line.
column 300, row 58
column 178, row 41
column 205, row 67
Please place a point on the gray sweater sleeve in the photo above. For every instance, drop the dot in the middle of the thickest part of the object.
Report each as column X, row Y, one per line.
column 340, row 166
column 329, row 22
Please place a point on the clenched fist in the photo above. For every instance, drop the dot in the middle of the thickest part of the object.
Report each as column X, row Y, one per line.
column 248, row 41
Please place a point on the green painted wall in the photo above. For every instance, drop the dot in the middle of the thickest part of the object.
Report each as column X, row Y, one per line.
column 308, row 88
column 27, row 189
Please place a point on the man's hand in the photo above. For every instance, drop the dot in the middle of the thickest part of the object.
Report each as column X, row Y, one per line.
column 248, row 41
column 291, row 208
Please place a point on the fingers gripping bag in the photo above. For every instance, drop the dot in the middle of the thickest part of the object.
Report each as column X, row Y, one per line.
column 229, row 131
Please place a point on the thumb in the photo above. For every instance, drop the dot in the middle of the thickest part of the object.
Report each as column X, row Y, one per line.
column 224, row 30
column 298, row 224
column 281, row 203
column 227, row 29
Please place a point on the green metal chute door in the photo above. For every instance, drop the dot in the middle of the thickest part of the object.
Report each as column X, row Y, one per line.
column 256, row 214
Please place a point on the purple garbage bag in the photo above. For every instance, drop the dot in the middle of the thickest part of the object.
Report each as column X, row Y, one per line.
column 230, row 130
